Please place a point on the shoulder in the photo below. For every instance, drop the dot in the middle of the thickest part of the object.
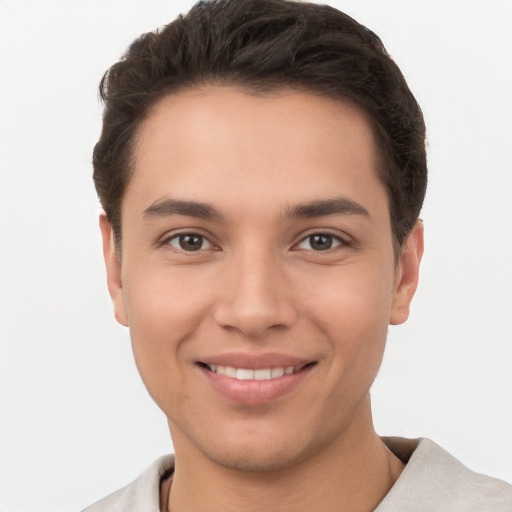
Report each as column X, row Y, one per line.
column 434, row 480
column 141, row 494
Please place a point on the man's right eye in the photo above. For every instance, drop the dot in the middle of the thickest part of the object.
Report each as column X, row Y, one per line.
column 189, row 242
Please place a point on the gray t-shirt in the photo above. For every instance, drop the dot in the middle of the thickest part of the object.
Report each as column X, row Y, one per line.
column 432, row 481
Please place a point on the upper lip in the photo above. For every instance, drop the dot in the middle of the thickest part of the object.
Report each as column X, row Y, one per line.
column 255, row 361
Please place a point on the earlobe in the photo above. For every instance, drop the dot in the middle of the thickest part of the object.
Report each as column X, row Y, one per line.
column 113, row 268
column 407, row 274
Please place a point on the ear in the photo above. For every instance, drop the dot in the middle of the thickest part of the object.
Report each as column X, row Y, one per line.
column 113, row 267
column 407, row 274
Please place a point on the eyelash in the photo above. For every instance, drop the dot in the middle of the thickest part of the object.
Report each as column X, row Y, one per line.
column 336, row 239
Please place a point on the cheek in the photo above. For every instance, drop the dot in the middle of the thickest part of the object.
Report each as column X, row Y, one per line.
column 352, row 299
column 164, row 299
column 164, row 308
column 353, row 311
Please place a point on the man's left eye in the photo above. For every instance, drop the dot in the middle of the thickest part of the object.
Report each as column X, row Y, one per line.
column 189, row 242
column 320, row 242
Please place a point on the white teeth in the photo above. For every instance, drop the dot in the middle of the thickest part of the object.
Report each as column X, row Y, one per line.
column 277, row 372
column 246, row 374
column 230, row 371
column 263, row 374
column 242, row 374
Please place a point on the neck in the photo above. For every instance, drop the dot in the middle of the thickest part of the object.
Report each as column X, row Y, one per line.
column 353, row 473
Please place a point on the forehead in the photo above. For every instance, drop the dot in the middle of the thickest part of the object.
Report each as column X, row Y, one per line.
column 287, row 145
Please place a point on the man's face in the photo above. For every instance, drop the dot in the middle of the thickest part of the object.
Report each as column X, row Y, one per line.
column 257, row 273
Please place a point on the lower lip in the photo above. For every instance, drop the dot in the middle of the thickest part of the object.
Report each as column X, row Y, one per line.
column 255, row 392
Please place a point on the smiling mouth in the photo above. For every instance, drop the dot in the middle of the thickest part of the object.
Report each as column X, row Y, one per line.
column 259, row 374
column 255, row 381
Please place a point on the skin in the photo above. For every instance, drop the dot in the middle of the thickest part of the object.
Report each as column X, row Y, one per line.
column 256, row 286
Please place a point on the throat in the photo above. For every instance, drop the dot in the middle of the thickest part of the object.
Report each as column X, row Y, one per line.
column 287, row 491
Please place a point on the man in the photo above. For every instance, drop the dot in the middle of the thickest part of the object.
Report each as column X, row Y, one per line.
column 262, row 169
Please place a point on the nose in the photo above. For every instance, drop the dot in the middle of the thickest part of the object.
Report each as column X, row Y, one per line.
column 255, row 297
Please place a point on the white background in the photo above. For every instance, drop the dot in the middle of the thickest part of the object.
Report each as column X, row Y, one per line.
column 75, row 420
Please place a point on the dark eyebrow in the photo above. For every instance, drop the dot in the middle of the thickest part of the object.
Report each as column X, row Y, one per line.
column 166, row 207
column 318, row 208
column 323, row 207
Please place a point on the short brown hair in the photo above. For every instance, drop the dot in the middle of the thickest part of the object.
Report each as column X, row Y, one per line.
column 262, row 46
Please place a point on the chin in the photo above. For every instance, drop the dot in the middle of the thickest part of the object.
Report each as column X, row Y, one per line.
column 257, row 461
column 266, row 450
